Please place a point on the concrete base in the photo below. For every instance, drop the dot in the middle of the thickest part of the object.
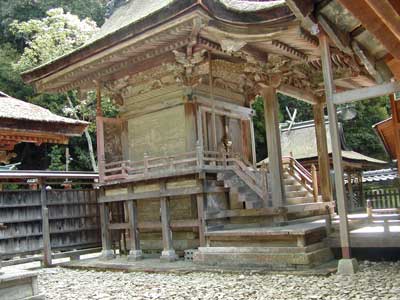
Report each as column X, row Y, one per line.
column 107, row 254
column 168, row 256
column 135, row 255
column 347, row 266
column 21, row 285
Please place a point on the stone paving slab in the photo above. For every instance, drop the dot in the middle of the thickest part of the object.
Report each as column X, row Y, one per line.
column 154, row 265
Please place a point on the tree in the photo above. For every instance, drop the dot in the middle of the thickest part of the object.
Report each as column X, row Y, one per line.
column 51, row 37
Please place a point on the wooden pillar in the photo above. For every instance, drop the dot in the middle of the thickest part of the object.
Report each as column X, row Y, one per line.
column 135, row 252
column 274, row 145
column 201, row 220
column 47, row 259
column 253, row 143
column 125, row 140
column 168, row 254
column 395, row 120
column 323, row 155
column 100, row 134
column 106, row 242
column 336, row 146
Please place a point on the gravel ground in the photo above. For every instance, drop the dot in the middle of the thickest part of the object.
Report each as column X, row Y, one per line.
column 374, row 281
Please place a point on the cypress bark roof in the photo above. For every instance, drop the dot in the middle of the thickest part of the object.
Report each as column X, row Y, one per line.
column 11, row 108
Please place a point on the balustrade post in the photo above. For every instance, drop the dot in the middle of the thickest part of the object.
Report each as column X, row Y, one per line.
column 314, row 176
column 47, row 259
column 264, row 183
column 146, row 164
column 199, row 154
column 123, row 169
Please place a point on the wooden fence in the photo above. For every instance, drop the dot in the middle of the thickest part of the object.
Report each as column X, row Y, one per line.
column 48, row 221
column 383, row 198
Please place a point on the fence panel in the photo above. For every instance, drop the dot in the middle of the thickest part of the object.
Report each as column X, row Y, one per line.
column 74, row 221
column 387, row 197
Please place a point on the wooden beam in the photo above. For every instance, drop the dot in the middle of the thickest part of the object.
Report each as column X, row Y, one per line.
column 340, row 38
column 366, row 93
column 386, row 12
column 336, row 145
column 374, row 24
column 200, row 198
column 323, row 155
column 302, row 9
column 297, row 93
column 274, row 145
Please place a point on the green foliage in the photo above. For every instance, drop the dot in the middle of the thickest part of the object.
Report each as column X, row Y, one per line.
column 25, row 10
column 53, row 36
column 359, row 133
column 57, row 158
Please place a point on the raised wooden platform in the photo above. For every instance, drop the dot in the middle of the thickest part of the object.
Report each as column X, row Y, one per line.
column 297, row 246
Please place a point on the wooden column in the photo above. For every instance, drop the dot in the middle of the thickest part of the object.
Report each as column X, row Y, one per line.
column 168, row 254
column 135, row 252
column 200, row 217
column 47, row 259
column 336, row 146
column 106, row 242
column 323, row 155
column 100, row 134
column 274, row 145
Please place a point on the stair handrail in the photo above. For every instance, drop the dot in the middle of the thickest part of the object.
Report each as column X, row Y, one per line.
column 251, row 176
column 308, row 179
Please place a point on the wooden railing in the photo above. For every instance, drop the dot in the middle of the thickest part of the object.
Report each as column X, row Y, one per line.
column 309, row 180
column 195, row 161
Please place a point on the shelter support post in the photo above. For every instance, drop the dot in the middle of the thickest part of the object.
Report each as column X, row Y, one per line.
column 323, row 155
column 100, row 134
column 396, row 122
column 168, row 254
column 47, row 262
column 274, row 145
column 135, row 252
column 106, row 242
column 346, row 265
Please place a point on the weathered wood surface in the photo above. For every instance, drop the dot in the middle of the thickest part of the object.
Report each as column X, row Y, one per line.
column 73, row 221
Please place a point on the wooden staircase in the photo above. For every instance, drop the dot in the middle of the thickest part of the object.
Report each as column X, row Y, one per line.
column 243, row 196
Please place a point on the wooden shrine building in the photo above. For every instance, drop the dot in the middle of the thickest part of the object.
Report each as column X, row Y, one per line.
column 21, row 121
column 177, row 167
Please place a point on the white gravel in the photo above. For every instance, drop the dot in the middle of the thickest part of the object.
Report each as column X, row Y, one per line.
column 374, row 281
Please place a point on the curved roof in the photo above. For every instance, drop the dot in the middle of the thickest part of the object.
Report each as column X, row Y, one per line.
column 11, row 108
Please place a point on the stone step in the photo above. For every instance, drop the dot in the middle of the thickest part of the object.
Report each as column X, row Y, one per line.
column 248, row 256
column 299, row 200
column 293, row 187
column 289, row 181
column 297, row 193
